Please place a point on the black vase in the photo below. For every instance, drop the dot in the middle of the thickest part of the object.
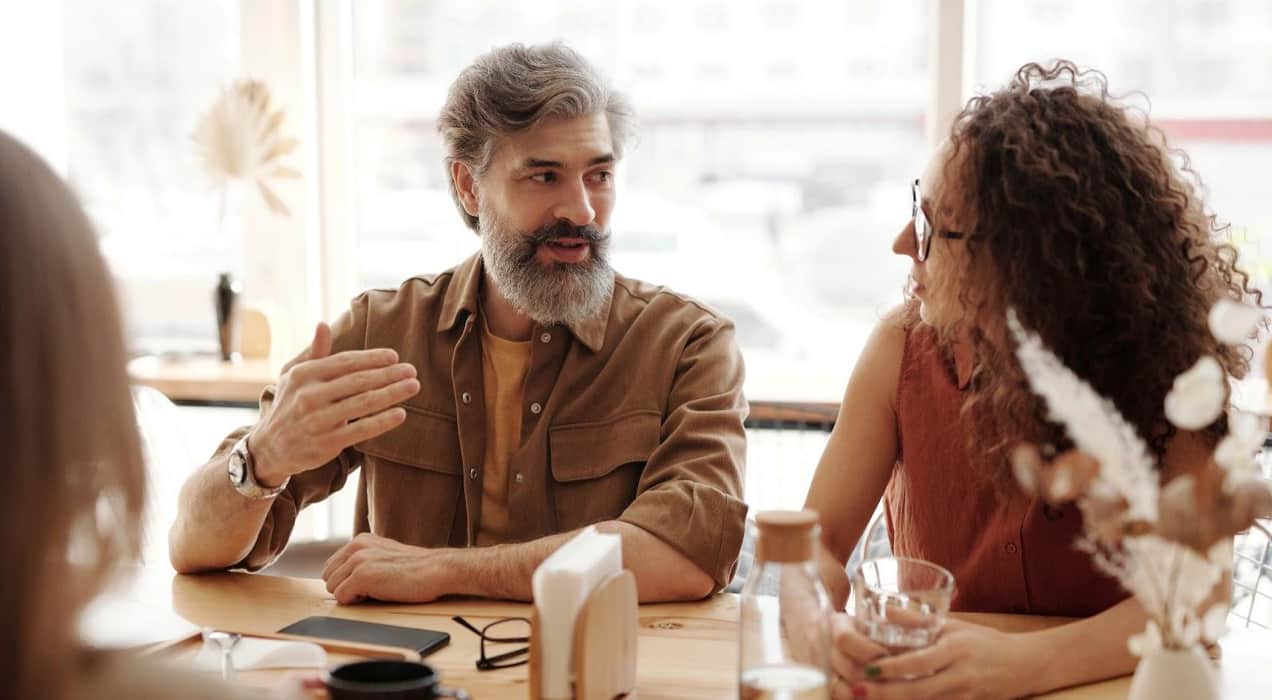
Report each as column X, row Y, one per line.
column 226, row 298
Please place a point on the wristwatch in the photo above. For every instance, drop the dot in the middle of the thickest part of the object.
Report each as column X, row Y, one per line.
column 243, row 473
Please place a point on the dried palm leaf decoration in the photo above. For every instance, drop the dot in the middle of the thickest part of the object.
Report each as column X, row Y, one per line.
column 240, row 138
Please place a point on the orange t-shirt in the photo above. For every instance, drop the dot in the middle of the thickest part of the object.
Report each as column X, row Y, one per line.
column 504, row 364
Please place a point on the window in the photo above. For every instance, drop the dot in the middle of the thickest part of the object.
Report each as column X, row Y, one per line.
column 776, row 200
column 770, row 177
column 1203, row 94
column 137, row 75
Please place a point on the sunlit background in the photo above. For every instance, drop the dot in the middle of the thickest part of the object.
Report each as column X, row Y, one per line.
column 771, row 172
column 777, row 142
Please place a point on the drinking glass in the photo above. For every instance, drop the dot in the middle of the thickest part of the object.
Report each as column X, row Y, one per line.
column 901, row 603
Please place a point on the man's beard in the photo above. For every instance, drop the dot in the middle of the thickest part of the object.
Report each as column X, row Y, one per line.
column 553, row 293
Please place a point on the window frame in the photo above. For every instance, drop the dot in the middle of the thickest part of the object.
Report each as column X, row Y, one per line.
column 947, row 85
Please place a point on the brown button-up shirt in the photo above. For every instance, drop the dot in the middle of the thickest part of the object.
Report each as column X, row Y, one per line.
column 634, row 415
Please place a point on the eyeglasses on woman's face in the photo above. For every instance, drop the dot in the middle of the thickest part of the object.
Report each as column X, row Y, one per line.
column 923, row 227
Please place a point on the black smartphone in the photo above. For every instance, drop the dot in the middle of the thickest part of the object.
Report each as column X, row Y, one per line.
column 421, row 640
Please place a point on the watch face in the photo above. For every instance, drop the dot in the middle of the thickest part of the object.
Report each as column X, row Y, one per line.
column 238, row 468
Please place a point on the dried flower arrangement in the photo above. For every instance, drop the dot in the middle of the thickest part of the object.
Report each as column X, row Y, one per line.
column 240, row 138
column 1169, row 545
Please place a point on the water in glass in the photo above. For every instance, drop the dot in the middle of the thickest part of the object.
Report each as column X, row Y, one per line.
column 901, row 603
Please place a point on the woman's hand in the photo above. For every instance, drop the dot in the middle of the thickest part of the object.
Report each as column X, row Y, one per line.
column 968, row 662
column 850, row 655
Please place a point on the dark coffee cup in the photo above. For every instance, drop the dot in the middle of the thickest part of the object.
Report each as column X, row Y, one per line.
column 382, row 679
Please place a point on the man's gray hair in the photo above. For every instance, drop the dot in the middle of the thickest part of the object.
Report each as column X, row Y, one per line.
column 515, row 87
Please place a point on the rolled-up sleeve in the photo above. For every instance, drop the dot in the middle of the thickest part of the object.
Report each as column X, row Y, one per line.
column 690, row 492
column 302, row 490
column 315, row 485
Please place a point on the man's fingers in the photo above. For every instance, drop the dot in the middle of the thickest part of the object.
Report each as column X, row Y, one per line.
column 348, row 593
column 342, row 581
column 302, row 356
column 320, row 347
column 369, row 402
column 369, row 427
column 321, row 330
column 341, row 575
column 342, row 363
column 335, row 561
column 365, row 380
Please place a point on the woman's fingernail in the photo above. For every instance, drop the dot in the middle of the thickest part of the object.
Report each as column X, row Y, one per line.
column 858, row 690
column 873, row 671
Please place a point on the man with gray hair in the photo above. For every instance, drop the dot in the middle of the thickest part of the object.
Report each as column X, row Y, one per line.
column 498, row 407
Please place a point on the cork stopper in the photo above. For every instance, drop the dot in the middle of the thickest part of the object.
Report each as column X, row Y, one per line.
column 785, row 536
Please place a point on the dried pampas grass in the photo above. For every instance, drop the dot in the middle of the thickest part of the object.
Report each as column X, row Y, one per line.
column 240, row 138
column 1170, row 545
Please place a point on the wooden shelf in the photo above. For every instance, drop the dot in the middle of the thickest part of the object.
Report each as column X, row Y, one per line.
column 204, row 380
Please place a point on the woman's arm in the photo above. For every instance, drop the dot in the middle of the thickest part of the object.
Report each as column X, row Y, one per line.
column 858, row 460
column 975, row 661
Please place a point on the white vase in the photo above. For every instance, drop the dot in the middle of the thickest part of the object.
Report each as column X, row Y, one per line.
column 1175, row 674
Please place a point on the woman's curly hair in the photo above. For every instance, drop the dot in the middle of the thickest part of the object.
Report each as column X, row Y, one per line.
column 1084, row 224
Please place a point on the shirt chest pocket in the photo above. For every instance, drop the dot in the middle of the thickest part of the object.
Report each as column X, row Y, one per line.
column 596, row 466
column 414, row 478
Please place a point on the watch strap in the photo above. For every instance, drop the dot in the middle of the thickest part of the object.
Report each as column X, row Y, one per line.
column 249, row 486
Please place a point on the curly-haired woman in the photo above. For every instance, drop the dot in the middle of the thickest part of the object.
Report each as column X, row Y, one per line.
column 1051, row 199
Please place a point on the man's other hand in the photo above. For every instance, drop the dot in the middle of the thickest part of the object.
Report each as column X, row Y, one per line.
column 383, row 569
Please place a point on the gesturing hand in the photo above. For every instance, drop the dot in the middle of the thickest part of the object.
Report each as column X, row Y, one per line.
column 324, row 403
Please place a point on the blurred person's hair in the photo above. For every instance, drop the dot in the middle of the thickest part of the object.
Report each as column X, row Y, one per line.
column 1087, row 224
column 73, row 477
column 514, row 88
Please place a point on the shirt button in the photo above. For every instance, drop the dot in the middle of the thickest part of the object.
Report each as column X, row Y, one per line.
column 1011, row 547
column 466, row 397
column 545, row 338
column 536, row 409
column 518, row 478
column 472, row 473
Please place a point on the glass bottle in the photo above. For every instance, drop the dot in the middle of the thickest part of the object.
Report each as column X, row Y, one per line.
column 784, row 613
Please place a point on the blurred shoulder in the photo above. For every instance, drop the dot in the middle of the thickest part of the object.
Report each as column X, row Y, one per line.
column 115, row 676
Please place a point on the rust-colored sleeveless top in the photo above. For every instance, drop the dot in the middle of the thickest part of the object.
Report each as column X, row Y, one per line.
column 1008, row 553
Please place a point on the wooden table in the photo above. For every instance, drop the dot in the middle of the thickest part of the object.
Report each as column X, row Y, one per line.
column 204, row 380
column 686, row 650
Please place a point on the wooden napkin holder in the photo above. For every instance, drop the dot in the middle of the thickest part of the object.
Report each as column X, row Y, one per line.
column 603, row 660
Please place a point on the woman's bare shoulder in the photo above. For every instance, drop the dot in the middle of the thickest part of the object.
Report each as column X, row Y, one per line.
column 878, row 369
